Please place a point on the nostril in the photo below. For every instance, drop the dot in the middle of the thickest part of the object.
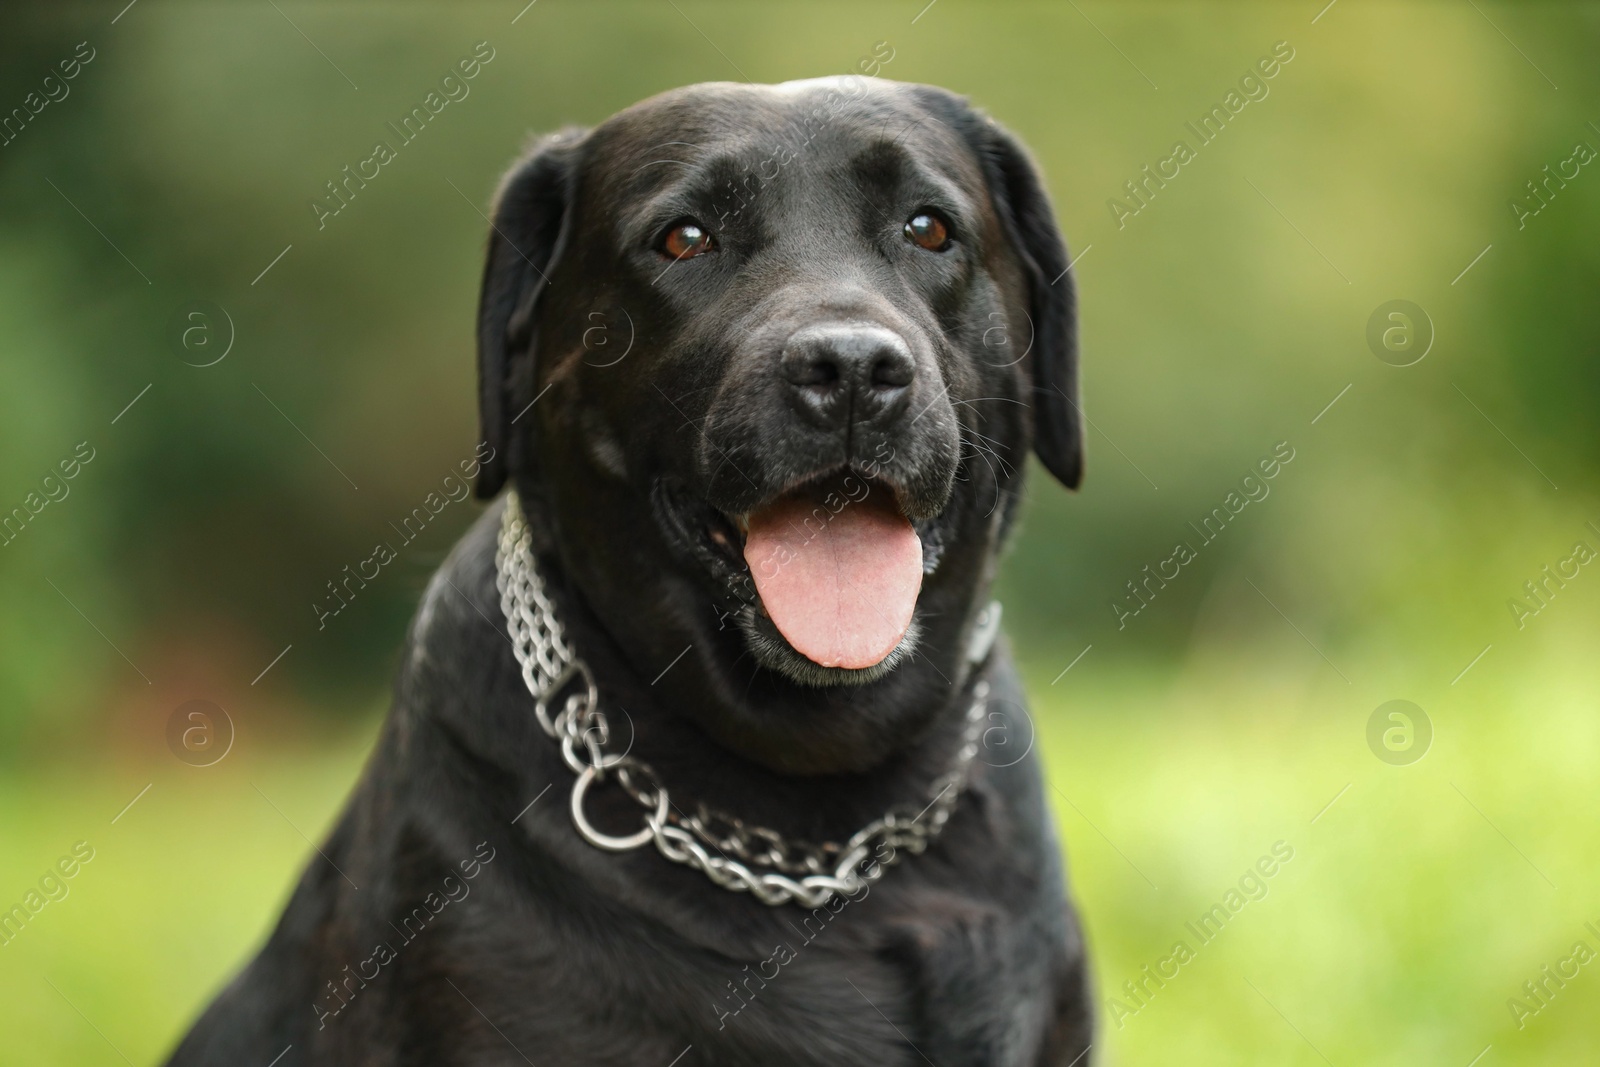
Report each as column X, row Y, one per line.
column 891, row 370
column 811, row 367
column 821, row 374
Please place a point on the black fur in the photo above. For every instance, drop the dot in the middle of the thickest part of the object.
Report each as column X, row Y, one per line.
column 510, row 939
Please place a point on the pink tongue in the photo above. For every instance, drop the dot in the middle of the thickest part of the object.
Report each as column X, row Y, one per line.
column 839, row 587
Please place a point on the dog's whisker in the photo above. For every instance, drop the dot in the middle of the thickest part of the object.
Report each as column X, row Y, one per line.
column 985, row 437
column 987, row 399
column 987, row 454
column 983, row 455
column 654, row 162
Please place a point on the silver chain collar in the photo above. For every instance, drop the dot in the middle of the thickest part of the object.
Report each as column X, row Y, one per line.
column 739, row 857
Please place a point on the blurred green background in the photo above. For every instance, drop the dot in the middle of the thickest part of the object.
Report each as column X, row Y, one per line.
column 1231, row 713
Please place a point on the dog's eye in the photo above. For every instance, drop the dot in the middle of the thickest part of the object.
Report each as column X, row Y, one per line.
column 686, row 240
column 927, row 230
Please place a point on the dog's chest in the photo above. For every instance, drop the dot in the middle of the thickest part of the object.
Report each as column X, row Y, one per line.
column 949, row 981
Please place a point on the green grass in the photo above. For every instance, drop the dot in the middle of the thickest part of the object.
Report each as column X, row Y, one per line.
column 1404, row 921
column 180, row 889
column 1395, row 934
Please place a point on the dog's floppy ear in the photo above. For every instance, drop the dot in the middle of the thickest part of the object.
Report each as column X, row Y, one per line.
column 1025, row 211
column 525, row 242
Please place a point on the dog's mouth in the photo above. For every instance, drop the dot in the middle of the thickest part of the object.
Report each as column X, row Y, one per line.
column 838, row 572
column 824, row 576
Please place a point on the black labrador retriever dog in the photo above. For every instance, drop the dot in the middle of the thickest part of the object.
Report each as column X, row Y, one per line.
column 763, row 365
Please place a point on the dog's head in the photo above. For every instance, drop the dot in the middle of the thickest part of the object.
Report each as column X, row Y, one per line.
column 770, row 359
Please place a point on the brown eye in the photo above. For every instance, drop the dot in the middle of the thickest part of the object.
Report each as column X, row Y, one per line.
column 927, row 230
column 686, row 240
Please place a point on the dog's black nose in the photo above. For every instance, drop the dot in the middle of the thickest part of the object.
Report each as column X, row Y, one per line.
column 848, row 374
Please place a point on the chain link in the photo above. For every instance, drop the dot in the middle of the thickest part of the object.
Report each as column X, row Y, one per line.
column 733, row 854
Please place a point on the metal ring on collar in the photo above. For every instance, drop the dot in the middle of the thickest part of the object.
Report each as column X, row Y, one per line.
column 606, row 841
column 541, row 706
